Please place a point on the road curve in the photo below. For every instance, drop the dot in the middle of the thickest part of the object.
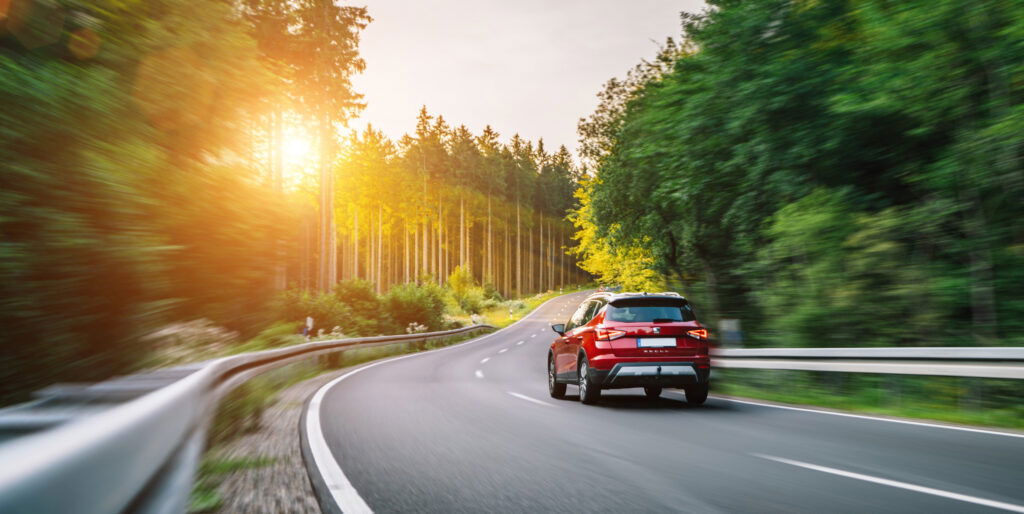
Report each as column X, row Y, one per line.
column 471, row 428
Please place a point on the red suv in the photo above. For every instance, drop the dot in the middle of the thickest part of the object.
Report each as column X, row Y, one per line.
column 620, row 340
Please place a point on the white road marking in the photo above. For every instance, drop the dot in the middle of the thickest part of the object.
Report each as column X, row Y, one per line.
column 862, row 416
column 520, row 342
column 527, row 398
column 901, row 485
column 503, row 350
column 484, row 360
column 341, row 490
column 479, row 374
column 533, row 335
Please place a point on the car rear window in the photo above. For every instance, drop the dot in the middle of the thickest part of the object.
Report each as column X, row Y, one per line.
column 647, row 310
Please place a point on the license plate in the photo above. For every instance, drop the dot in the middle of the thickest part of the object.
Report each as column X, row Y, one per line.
column 656, row 342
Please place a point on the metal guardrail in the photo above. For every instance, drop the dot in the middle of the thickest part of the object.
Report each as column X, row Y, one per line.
column 979, row 362
column 133, row 443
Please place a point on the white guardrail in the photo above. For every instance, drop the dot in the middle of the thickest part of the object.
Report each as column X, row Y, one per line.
column 978, row 362
column 133, row 443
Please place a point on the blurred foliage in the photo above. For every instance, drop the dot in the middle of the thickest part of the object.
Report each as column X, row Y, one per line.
column 127, row 196
column 833, row 173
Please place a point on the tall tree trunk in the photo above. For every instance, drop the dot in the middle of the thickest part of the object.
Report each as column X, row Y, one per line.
column 561, row 259
column 530, row 258
column 543, row 258
column 328, row 250
column 508, row 260
column 280, row 269
column 355, row 243
column 519, row 256
column 438, row 248
column 380, row 245
column 489, row 263
column 462, row 231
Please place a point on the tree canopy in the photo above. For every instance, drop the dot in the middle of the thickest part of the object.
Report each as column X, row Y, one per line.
column 831, row 172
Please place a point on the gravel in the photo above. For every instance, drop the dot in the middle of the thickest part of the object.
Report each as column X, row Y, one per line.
column 282, row 486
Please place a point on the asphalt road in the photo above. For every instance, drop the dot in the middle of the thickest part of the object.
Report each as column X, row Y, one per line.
column 471, row 428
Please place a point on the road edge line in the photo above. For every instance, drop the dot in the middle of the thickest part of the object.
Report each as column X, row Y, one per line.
column 906, row 486
column 870, row 417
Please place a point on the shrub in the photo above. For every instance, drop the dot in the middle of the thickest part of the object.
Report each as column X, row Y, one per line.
column 473, row 301
column 416, row 303
column 276, row 335
column 466, row 293
column 491, row 293
column 368, row 315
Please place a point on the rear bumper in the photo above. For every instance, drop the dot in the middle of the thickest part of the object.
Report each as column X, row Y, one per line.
column 641, row 374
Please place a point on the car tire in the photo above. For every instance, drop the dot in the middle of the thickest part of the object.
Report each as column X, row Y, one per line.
column 556, row 389
column 590, row 392
column 652, row 392
column 696, row 394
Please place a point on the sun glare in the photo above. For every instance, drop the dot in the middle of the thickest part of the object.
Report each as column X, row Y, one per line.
column 298, row 152
column 295, row 149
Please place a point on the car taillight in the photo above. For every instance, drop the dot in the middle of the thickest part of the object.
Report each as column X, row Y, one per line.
column 700, row 333
column 607, row 334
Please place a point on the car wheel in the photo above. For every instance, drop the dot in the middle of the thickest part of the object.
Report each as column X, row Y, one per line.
column 589, row 391
column 696, row 394
column 556, row 389
column 652, row 392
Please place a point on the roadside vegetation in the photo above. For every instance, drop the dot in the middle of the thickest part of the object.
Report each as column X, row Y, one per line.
column 969, row 401
column 352, row 309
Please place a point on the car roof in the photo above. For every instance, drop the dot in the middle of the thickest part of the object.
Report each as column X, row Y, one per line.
column 611, row 297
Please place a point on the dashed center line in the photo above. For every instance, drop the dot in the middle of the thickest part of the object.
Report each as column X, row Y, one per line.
column 531, row 400
column 520, row 342
column 503, row 350
column 533, row 335
column 484, row 360
column 479, row 374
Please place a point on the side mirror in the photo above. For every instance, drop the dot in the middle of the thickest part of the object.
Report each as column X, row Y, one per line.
column 559, row 329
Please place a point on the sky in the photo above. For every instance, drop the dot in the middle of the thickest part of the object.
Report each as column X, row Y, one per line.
column 531, row 67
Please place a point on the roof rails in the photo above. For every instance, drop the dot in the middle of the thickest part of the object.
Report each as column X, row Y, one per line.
column 636, row 293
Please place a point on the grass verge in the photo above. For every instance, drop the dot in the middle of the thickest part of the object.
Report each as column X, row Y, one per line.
column 968, row 401
column 205, row 495
column 502, row 316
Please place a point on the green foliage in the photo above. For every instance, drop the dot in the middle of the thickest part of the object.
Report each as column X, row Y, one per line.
column 625, row 263
column 466, row 293
column 276, row 335
column 368, row 316
column 491, row 293
column 831, row 173
column 326, row 309
column 416, row 303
